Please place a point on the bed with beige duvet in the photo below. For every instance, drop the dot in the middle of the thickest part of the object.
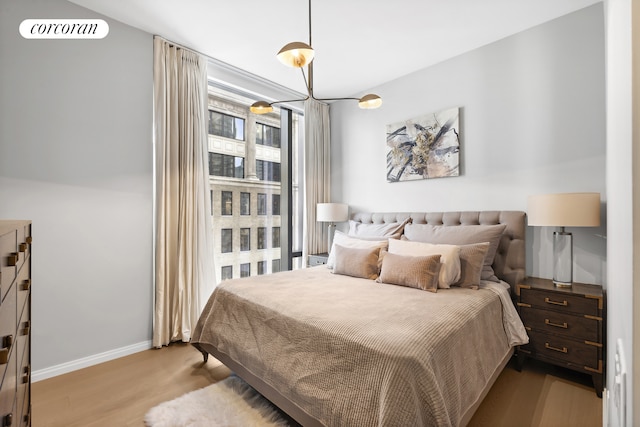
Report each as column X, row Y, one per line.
column 409, row 324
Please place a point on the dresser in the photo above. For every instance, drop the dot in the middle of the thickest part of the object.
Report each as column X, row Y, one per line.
column 565, row 326
column 15, row 323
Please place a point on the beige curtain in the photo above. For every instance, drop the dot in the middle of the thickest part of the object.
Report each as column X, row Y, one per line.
column 317, row 173
column 184, row 271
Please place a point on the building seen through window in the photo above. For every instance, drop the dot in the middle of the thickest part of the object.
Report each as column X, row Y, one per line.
column 245, row 173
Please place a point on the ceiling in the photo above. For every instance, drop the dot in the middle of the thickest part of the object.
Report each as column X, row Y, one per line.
column 359, row 44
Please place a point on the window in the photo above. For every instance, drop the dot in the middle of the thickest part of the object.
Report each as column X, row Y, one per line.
column 221, row 124
column 275, row 265
column 262, row 204
column 267, row 135
column 226, row 237
column 262, row 267
column 245, row 211
column 268, row 171
column 245, row 239
column 226, row 206
column 225, row 165
column 262, row 237
column 245, row 203
column 275, row 237
column 245, row 270
column 227, row 272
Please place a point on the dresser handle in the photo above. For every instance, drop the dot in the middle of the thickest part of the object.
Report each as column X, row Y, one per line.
column 7, row 342
column 7, row 420
column 12, row 260
column 26, row 285
column 561, row 350
column 563, row 303
column 557, row 325
column 22, row 247
column 26, row 375
column 29, row 239
column 26, row 328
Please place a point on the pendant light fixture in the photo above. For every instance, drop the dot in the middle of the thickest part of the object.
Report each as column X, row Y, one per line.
column 299, row 55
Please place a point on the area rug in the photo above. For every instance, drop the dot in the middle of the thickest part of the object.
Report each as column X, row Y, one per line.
column 230, row 402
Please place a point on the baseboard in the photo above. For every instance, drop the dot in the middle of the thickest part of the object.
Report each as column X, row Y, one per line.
column 74, row 365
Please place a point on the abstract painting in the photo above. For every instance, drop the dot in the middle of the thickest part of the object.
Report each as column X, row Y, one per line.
column 424, row 147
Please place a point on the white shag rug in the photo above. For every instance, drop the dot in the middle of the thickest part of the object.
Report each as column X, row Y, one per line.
column 230, row 402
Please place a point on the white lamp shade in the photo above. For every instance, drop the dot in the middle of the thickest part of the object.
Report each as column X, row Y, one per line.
column 332, row 212
column 564, row 210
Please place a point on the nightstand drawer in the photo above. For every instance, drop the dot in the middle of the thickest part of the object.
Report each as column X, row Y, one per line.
column 559, row 301
column 573, row 353
column 559, row 323
column 319, row 259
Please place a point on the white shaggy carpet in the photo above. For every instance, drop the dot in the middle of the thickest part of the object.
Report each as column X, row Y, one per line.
column 230, row 402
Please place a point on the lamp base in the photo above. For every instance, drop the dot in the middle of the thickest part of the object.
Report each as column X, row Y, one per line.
column 561, row 284
column 331, row 230
column 562, row 258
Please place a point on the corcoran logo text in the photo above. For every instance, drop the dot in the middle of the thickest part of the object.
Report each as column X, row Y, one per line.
column 64, row 29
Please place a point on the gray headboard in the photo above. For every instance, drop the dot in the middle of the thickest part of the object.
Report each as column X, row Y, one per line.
column 509, row 263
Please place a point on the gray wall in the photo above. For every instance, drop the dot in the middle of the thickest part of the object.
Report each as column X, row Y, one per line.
column 76, row 158
column 532, row 121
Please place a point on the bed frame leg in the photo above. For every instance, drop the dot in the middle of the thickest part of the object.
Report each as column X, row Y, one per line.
column 205, row 355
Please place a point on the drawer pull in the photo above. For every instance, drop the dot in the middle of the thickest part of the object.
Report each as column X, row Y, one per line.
column 7, row 342
column 26, row 285
column 29, row 239
column 563, row 303
column 12, row 260
column 7, row 420
column 557, row 325
column 22, row 247
column 26, row 375
column 26, row 328
column 561, row 350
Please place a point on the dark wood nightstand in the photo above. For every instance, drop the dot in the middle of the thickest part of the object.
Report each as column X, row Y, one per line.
column 317, row 259
column 565, row 326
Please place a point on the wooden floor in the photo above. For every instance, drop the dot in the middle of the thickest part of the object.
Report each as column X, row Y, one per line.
column 120, row 392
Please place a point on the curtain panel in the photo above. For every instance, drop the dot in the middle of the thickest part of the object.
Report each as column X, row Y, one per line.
column 317, row 174
column 184, row 270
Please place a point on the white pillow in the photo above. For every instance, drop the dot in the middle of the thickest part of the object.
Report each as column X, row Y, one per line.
column 449, row 257
column 339, row 238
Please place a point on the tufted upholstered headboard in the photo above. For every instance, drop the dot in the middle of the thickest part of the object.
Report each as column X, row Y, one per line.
column 509, row 263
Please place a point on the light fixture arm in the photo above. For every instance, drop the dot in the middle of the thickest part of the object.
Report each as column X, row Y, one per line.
column 297, row 54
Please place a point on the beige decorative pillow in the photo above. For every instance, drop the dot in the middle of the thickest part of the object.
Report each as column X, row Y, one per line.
column 461, row 235
column 356, row 262
column 471, row 262
column 419, row 272
column 449, row 257
column 339, row 238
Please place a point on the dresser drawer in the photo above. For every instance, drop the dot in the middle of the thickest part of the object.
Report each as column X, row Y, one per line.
column 23, row 287
column 559, row 323
column 559, row 301
column 575, row 354
column 8, row 389
column 8, row 261
column 7, row 328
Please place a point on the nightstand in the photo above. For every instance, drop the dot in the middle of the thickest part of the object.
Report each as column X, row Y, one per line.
column 317, row 259
column 565, row 326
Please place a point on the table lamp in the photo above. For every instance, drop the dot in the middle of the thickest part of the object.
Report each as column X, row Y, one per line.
column 564, row 210
column 332, row 212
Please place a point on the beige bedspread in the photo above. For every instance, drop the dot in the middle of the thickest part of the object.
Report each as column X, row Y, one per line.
column 353, row 352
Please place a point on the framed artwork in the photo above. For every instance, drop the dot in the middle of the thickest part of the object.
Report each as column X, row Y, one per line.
column 424, row 147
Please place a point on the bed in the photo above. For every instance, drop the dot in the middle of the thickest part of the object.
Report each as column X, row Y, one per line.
column 332, row 349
